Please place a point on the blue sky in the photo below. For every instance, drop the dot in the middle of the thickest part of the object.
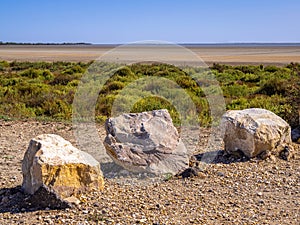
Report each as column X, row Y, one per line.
column 123, row 21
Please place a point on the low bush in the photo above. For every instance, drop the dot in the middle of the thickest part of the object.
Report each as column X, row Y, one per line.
column 46, row 90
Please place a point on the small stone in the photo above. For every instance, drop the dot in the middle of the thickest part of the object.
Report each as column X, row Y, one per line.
column 103, row 211
column 73, row 200
column 220, row 174
column 85, row 211
column 189, row 172
column 273, row 158
column 144, row 220
column 259, row 193
column 286, row 153
column 96, row 204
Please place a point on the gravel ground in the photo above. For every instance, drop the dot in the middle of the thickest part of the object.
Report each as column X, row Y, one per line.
column 225, row 192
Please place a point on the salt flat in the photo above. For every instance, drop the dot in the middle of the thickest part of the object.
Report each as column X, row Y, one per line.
column 228, row 54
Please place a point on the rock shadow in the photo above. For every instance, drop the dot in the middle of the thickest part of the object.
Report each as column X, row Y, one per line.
column 112, row 170
column 14, row 200
column 221, row 157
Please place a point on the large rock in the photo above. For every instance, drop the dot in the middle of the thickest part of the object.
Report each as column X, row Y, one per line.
column 146, row 142
column 254, row 131
column 51, row 161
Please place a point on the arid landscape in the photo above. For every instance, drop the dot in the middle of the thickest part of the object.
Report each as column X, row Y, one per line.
column 150, row 112
column 227, row 191
column 229, row 54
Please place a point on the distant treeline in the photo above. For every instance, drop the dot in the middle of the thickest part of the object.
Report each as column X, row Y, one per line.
column 40, row 43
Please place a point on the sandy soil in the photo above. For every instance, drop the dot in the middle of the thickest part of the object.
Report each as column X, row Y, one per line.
column 232, row 55
column 226, row 192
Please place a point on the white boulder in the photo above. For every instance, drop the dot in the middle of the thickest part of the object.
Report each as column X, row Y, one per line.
column 254, row 131
column 51, row 161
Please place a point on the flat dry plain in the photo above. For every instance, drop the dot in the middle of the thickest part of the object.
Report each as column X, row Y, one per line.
column 229, row 54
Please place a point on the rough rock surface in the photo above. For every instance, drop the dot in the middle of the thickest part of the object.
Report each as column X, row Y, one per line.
column 53, row 162
column 146, row 142
column 254, row 131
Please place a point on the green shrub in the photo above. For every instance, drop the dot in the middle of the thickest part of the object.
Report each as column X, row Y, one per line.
column 74, row 69
column 113, row 86
column 273, row 86
column 154, row 103
column 64, row 79
column 3, row 65
column 271, row 68
column 124, row 72
column 47, row 89
column 219, row 67
column 236, row 91
column 31, row 73
column 47, row 75
column 249, row 69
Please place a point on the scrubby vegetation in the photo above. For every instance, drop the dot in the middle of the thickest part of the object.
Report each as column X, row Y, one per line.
column 46, row 90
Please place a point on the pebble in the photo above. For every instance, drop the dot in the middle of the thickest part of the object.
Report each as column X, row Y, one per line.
column 220, row 174
column 73, row 200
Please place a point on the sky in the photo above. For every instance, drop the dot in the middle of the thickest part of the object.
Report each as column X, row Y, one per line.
column 126, row 21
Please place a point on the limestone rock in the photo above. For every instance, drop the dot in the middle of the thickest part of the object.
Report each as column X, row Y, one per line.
column 146, row 142
column 254, row 131
column 53, row 162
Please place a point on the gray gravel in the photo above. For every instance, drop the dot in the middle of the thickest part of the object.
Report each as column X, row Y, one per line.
column 225, row 192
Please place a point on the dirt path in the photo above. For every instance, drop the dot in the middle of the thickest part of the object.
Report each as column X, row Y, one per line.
column 251, row 192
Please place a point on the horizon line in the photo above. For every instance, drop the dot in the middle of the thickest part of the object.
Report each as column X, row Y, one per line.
column 150, row 43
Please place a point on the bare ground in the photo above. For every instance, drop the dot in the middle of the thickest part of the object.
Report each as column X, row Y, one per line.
column 278, row 55
column 236, row 192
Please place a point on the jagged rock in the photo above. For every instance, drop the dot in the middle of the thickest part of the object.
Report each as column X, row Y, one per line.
column 51, row 161
column 254, row 131
column 296, row 135
column 146, row 142
column 286, row 153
